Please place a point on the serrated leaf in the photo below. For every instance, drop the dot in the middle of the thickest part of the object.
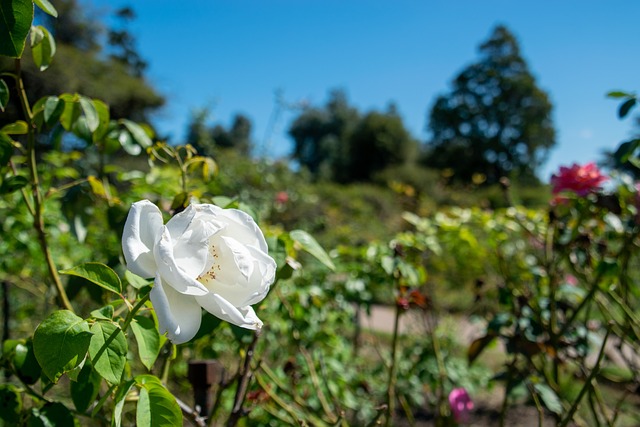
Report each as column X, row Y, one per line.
column 4, row 95
column 43, row 49
column 148, row 339
column 108, row 351
column 47, row 7
column 19, row 127
column 310, row 245
column 60, row 343
column 549, row 398
column 13, row 183
column 85, row 390
column 626, row 107
column 138, row 133
column 15, row 21
column 156, row 406
column 97, row 273
column 119, row 400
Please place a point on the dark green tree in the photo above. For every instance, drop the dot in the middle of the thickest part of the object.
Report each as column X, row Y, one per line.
column 379, row 141
column 79, row 66
column 207, row 139
column 321, row 137
column 495, row 121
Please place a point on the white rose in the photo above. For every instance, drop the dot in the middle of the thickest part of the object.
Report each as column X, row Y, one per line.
column 205, row 256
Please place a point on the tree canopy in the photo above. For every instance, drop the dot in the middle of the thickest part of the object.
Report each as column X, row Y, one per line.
column 337, row 142
column 206, row 139
column 82, row 65
column 496, row 121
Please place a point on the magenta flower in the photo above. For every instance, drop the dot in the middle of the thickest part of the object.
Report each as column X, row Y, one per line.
column 581, row 180
column 461, row 405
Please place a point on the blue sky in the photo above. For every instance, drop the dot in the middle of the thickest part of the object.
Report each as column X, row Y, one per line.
column 232, row 55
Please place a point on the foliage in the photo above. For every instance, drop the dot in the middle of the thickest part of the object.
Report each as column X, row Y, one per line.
column 338, row 143
column 495, row 122
column 209, row 140
column 554, row 285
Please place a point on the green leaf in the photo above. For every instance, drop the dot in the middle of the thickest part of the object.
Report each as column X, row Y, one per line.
column 625, row 107
column 99, row 274
column 103, row 313
column 108, row 351
column 156, row 406
column 138, row 133
column 47, row 7
column 126, row 142
column 43, row 49
column 53, row 109
column 17, row 128
column 6, row 149
column 618, row 94
column 135, row 280
column 310, row 245
column 25, row 363
column 90, row 113
column 10, row 404
column 85, row 390
column 119, row 400
column 71, row 112
column 13, row 183
column 15, row 22
column 549, row 398
column 102, row 110
column 50, row 415
column 60, row 343
column 148, row 339
column 4, row 95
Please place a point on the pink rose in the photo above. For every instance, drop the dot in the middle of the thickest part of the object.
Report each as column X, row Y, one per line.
column 579, row 179
column 461, row 405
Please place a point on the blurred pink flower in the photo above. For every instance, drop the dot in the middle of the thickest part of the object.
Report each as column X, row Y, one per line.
column 461, row 405
column 571, row 280
column 579, row 179
column 282, row 197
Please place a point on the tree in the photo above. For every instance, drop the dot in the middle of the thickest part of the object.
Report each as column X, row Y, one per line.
column 80, row 67
column 380, row 140
column 496, row 121
column 321, row 136
column 207, row 139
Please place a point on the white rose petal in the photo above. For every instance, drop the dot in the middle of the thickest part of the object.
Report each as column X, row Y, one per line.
column 179, row 315
column 245, row 317
column 204, row 256
column 141, row 229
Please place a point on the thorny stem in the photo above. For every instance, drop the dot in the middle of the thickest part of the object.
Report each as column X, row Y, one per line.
column 442, row 370
column 391, row 383
column 38, row 205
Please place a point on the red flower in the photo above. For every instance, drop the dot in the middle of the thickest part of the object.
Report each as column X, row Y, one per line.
column 578, row 179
